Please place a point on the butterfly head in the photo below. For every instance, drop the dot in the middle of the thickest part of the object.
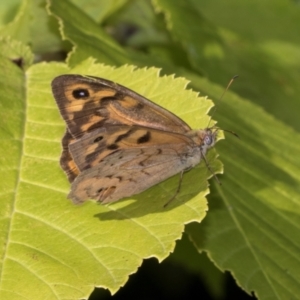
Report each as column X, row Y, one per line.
column 205, row 138
column 208, row 138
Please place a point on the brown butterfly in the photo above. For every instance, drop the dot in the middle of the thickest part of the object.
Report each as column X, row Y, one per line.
column 118, row 143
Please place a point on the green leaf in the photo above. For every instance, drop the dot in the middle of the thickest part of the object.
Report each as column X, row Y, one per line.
column 99, row 10
column 18, row 28
column 16, row 52
column 90, row 40
column 8, row 9
column 137, row 25
column 44, row 34
column 60, row 250
column 262, row 47
column 201, row 41
column 82, row 31
column 32, row 26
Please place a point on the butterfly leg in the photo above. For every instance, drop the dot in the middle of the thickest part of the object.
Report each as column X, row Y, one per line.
column 209, row 168
column 177, row 191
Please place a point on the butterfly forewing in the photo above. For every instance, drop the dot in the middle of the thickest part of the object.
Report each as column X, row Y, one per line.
column 87, row 103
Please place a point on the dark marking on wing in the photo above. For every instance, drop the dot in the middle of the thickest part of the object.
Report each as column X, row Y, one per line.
column 97, row 125
column 118, row 96
column 139, row 106
column 98, row 139
column 88, row 158
column 123, row 136
column 112, row 147
column 145, row 172
column 145, row 138
column 87, row 166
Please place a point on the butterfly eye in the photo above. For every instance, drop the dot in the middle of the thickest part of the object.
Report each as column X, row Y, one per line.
column 208, row 140
column 81, row 93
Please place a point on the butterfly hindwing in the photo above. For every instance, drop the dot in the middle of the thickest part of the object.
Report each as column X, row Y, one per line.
column 130, row 171
column 66, row 160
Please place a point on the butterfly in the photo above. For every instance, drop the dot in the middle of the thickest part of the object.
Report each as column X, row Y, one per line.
column 118, row 143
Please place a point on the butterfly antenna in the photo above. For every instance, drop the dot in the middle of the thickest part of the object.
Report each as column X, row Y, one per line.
column 227, row 87
column 232, row 132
